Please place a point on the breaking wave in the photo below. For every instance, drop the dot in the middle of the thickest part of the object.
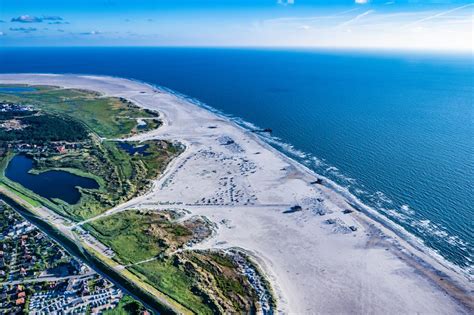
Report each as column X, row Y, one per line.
column 378, row 205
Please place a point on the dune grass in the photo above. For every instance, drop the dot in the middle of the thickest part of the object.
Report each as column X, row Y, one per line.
column 109, row 117
column 136, row 236
column 150, row 245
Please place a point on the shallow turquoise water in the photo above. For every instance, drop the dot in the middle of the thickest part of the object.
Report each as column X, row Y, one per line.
column 397, row 130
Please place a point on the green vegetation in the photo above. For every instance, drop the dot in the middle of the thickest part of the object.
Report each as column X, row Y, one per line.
column 137, row 236
column 5, row 183
column 65, row 130
column 109, row 117
column 127, row 306
column 150, row 245
column 174, row 282
column 205, row 282
column 38, row 129
column 121, row 176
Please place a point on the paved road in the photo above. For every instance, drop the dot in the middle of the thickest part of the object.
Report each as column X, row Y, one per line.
column 154, row 206
column 48, row 279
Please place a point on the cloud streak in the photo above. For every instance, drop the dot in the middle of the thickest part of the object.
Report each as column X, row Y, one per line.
column 52, row 18
column 373, row 25
column 58, row 23
column 431, row 17
column 356, row 18
column 23, row 29
column 35, row 19
column 90, row 33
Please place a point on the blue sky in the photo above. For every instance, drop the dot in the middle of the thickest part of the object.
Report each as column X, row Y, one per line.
column 386, row 24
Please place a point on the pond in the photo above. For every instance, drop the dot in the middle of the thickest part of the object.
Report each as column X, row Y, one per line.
column 16, row 89
column 50, row 184
column 131, row 149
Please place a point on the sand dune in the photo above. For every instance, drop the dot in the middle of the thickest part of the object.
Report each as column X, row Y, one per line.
column 324, row 257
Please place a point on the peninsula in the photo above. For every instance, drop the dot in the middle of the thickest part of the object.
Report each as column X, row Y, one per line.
column 206, row 217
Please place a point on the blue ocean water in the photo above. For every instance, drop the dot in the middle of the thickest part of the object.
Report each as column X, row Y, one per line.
column 396, row 129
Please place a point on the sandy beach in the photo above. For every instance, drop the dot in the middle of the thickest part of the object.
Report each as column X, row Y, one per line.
column 325, row 256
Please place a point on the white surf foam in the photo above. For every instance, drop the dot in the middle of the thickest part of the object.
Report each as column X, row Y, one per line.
column 352, row 191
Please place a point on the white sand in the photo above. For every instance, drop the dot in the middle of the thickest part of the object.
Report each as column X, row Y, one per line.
column 245, row 187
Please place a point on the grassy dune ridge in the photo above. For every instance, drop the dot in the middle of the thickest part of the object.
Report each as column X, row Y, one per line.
column 152, row 245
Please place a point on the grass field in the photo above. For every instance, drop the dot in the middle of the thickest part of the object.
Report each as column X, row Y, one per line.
column 174, row 282
column 109, row 117
column 137, row 236
column 205, row 282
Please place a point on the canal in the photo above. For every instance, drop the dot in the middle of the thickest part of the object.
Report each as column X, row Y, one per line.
column 77, row 251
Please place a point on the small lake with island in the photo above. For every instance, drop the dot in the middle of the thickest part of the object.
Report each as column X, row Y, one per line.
column 132, row 149
column 50, row 184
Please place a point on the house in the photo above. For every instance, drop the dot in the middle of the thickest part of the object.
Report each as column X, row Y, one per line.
column 61, row 149
column 20, row 301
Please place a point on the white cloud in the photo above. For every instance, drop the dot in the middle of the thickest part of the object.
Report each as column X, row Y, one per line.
column 286, row 2
column 27, row 19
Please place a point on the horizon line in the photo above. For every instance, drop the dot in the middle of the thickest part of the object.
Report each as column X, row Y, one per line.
column 251, row 47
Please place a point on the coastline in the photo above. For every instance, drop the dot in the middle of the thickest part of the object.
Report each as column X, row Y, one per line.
column 396, row 261
column 355, row 202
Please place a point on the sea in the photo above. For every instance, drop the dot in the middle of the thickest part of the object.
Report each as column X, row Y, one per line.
column 395, row 129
